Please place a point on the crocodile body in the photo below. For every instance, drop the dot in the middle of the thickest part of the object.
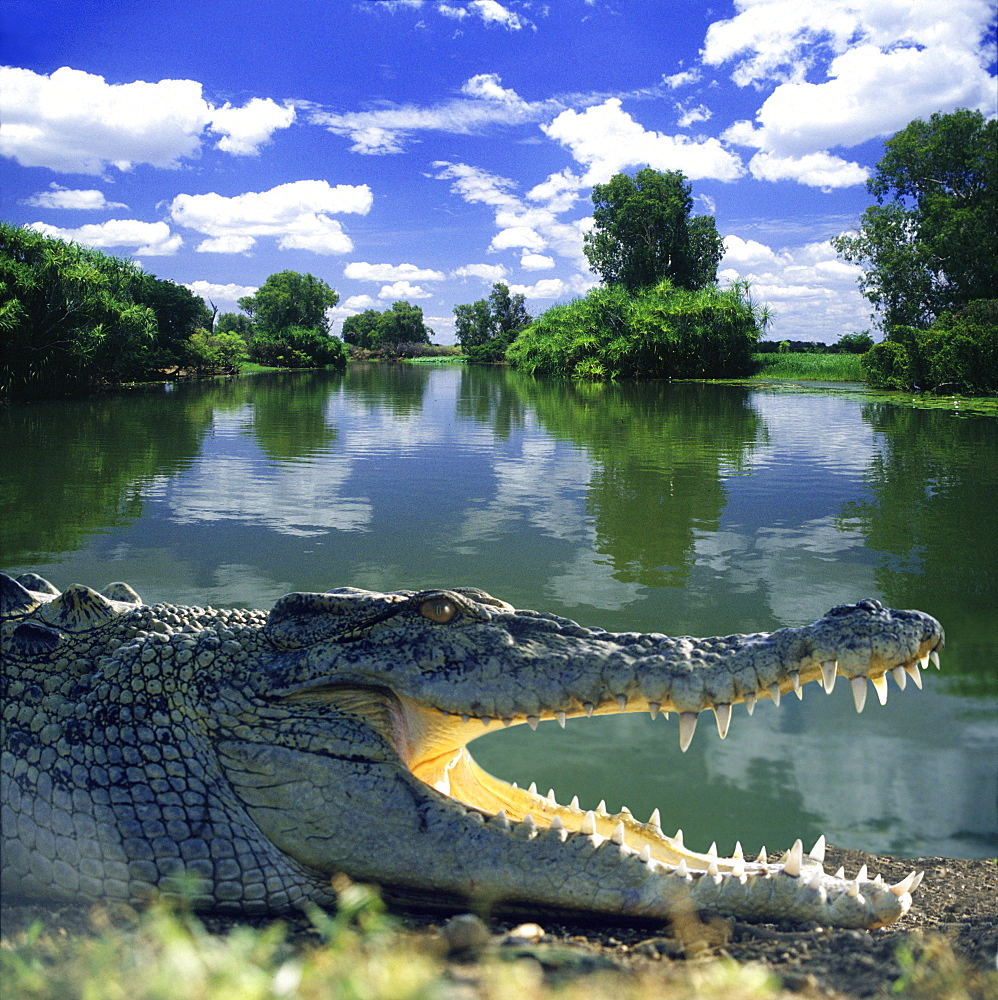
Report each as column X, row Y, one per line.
column 242, row 759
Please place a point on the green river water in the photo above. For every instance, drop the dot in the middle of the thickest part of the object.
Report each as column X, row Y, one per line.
column 681, row 508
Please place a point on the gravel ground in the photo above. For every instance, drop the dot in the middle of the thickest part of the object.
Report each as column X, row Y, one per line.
column 957, row 903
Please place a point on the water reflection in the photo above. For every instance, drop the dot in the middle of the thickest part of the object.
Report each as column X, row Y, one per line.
column 689, row 509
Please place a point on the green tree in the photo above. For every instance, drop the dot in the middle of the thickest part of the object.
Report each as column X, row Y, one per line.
column 289, row 299
column 403, row 324
column 363, row 330
column 643, row 232
column 854, row 343
column 235, row 323
column 487, row 327
column 927, row 246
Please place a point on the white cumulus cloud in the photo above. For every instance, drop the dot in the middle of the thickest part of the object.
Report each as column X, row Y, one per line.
column 58, row 197
column 536, row 262
column 214, row 292
column 75, row 122
column 607, row 140
column 144, row 239
column 362, row 271
column 486, row 272
column 403, row 290
column 297, row 214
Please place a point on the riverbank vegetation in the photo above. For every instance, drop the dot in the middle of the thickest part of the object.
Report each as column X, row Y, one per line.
column 73, row 319
column 928, row 255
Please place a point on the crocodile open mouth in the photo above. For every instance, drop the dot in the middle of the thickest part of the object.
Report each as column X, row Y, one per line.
column 433, row 744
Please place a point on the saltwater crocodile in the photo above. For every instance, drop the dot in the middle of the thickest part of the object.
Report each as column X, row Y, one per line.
column 242, row 759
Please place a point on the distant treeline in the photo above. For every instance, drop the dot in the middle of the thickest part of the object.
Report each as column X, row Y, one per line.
column 73, row 318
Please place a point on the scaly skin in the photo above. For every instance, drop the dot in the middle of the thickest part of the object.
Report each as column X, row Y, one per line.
column 243, row 758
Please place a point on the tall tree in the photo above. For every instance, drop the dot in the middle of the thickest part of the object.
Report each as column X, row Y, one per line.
column 403, row 324
column 362, row 330
column 643, row 232
column 487, row 327
column 289, row 299
column 927, row 246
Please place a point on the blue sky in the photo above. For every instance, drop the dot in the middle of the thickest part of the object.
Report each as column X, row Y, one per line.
column 421, row 149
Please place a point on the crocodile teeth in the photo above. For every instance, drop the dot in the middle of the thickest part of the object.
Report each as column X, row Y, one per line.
column 750, row 702
column 795, row 857
column 858, row 685
column 763, row 858
column 551, row 797
column 645, row 854
column 502, row 819
column 817, row 852
column 622, row 701
column 880, row 686
column 588, row 706
column 681, row 870
column 900, row 677
column 723, row 715
column 737, row 852
column 678, row 838
column 712, row 868
column 532, row 721
column 654, row 707
column 574, row 804
column 840, row 873
column 713, row 850
column 601, row 808
column 560, row 716
column 913, row 673
column 557, row 824
column 655, row 819
column 862, row 875
column 588, row 825
column 828, row 675
column 934, row 657
column 687, row 727
column 795, row 680
column 618, row 834
column 533, row 788
column 774, row 693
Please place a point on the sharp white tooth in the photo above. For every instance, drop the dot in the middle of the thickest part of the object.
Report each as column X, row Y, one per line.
column 601, row 808
column 828, row 675
column 861, row 875
column 880, row 686
column 560, row 716
column 507, row 721
column 713, row 850
column 917, row 882
column 588, row 824
column 655, row 819
column 486, row 721
column 515, row 785
column 618, row 834
column 588, row 707
column 853, row 889
column 681, row 870
column 712, row 868
column 533, row 788
column 818, row 851
column 722, row 713
column 678, row 839
column 774, row 693
column 575, row 802
column 900, row 677
column 528, row 822
column 687, row 727
column 551, row 797
column 763, row 858
column 622, row 701
column 795, row 680
column 624, row 811
column 737, row 853
column 502, row 819
column 645, row 854
column 816, row 880
column 750, row 702
column 795, row 857
column 557, row 824
column 858, row 685
column 653, row 708
column 934, row 657
column 738, row 868
column 900, row 888
column 840, row 873
column 532, row 721
column 878, row 880
column 465, row 719
column 924, row 661
column 913, row 672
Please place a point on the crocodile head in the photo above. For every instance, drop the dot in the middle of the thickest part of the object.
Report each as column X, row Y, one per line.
column 433, row 670
column 331, row 736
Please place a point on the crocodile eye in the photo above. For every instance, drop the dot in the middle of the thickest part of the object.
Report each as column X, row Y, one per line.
column 438, row 609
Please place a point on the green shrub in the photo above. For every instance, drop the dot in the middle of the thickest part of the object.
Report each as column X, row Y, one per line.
column 957, row 354
column 298, row 347
column 659, row 332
